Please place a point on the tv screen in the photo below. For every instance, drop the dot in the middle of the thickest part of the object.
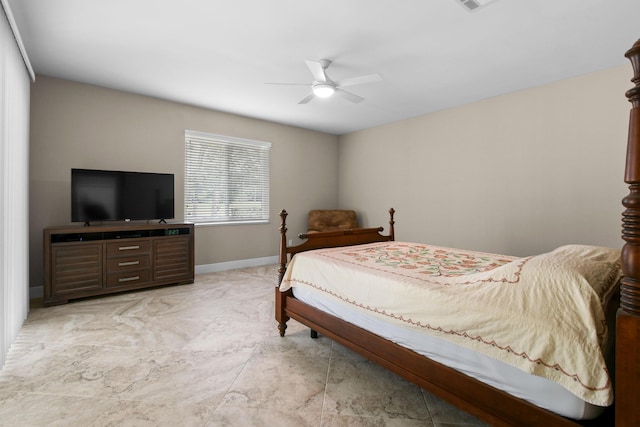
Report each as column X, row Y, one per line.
column 102, row 195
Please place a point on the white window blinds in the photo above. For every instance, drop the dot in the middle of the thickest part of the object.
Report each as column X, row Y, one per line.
column 226, row 179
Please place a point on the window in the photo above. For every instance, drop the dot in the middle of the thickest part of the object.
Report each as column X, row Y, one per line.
column 226, row 179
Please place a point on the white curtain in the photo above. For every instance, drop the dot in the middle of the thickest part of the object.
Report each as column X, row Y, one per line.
column 15, row 74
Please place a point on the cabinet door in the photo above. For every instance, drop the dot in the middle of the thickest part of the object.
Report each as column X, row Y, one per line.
column 172, row 259
column 76, row 268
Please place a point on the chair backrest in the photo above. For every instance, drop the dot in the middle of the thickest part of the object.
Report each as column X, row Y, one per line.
column 331, row 219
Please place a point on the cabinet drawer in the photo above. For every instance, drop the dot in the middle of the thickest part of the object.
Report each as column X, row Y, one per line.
column 127, row 248
column 128, row 277
column 128, row 263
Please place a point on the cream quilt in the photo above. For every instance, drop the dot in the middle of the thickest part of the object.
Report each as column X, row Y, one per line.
column 543, row 314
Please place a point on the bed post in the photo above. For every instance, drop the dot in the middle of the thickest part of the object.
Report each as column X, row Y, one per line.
column 391, row 224
column 628, row 320
column 281, row 317
column 283, row 245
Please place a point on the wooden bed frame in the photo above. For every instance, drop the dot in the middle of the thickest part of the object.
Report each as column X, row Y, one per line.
column 483, row 401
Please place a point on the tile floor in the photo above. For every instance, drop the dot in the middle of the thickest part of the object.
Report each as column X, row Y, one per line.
column 206, row 354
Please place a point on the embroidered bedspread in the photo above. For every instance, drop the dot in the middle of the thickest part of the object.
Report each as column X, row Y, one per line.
column 543, row 314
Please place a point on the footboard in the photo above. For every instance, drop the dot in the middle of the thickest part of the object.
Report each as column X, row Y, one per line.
column 327, row 239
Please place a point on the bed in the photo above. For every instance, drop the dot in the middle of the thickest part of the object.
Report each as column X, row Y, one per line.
column 581, row 391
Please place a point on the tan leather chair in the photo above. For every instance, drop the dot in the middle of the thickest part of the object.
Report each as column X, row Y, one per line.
column 331, row 220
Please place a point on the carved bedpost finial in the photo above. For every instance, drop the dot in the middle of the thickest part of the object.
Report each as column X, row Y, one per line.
column 634, row 56
column 283, row 222
column 630, row 296
column 391, row 224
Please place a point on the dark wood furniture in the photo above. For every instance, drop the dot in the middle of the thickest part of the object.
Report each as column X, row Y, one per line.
column 628, row 322
column 494, row 406
column 96, row 260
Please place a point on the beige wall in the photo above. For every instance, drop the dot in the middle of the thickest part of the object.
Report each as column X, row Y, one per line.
column 516, row 174
column 83, row 126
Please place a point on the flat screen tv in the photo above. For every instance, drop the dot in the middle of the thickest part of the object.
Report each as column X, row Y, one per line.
column 103, row 195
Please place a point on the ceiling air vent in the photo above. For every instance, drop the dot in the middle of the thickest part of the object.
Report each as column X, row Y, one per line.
column 473, row 5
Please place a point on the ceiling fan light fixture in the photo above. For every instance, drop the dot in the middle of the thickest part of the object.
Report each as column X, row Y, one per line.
column 323, row 90
column 473, row 5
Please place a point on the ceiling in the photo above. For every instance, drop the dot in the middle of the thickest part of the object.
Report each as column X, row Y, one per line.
column 431, row 54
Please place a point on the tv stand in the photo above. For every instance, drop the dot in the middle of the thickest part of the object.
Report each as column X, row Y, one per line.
column 85, row 261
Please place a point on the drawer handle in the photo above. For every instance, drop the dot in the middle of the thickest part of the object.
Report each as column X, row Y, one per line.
column 128, row 279
column 128, row 248
column 123, row 264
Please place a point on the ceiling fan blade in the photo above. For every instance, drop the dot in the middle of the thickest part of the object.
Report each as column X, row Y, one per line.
column 307, row 98
column 351, row 97
column 369, row 78
column 288, row 84
column 317, row 69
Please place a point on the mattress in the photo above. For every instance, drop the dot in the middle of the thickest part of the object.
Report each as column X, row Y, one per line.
column 533, row 327
column 536, row 390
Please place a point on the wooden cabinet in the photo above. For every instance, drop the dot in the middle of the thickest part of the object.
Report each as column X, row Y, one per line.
column 96, row 260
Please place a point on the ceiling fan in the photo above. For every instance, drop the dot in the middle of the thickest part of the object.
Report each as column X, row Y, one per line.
column 324, row 87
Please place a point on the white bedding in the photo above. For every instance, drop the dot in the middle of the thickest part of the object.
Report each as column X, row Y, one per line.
column 479, row 304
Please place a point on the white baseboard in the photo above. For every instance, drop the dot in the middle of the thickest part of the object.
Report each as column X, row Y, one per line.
column 233, row 265
column 38, row 291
